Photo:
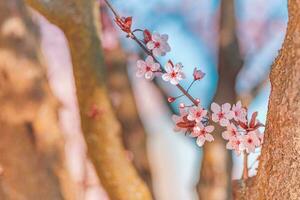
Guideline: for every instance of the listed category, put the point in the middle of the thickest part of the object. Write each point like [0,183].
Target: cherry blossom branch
[245,167]
[133,37]
[242,133]
[112,9]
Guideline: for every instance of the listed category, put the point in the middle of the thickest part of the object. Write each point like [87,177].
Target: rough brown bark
[279,168]
[215,174]
[101,129]
[31,144]
[134,135]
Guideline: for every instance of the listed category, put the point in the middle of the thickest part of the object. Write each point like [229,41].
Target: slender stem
[245,169]
[112,9]
[132,36]
[187,94]
[190,85]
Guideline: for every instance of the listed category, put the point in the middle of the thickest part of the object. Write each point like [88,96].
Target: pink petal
[174,81]
[149,75]
[166,77]
[156,37]
[209,129]
[191,117]
[215,117]
[139,73]
[229,146]
[226,107]
[239,105]
[215,107]
[164,37]
[224,122]
[149,60]
[140,64]
[168,67]
[150,45]
[209,137]
[155,67]
[200,141]
[156,52]
[225,135]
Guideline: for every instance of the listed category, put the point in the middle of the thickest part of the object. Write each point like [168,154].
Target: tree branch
[278,172]
[99,124]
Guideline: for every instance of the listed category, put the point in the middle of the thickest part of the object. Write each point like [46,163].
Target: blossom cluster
[157,45]
[242,134]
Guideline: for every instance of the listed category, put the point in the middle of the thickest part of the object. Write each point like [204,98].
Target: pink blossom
[158,44]
[254,124]
[197,113]
[182,123]
[231,132]
[251,141]
[198,74]
[260,137]
[147,36]
[171,99]
[221,114]
[202,133]
[173,73]
[147,68]
[235,144]
[239,113]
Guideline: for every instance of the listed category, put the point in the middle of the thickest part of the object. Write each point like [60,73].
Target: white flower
[180,119]
[158,44]
[197,113]
[173,73]
[251,141]
[231,132]
[202,133]
[235,144]
[147,68]
[221,114]
[239,113]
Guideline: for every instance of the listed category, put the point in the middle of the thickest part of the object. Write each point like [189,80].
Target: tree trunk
[215,174]
[31,145]
[134,135]
[101,129]
[279,168]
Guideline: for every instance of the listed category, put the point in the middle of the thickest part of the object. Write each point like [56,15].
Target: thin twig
[133,37]
[112,9]
[245,167]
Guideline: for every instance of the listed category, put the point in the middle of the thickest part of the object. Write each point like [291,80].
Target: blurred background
[242,36]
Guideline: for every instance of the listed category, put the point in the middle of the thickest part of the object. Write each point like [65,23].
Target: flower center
[148,68]
[156,44]
[198,114]
[202,132]
[236,113]
[173,74]
[233,132]
[221,115]
[249,140]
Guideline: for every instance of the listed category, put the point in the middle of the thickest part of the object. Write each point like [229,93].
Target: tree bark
[279,168]
[78,19]
[31,144]
[215,174]
[134,135]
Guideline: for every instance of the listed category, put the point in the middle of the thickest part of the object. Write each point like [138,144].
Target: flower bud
[147,36]
[171,99]
[198,74]
[181,105]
